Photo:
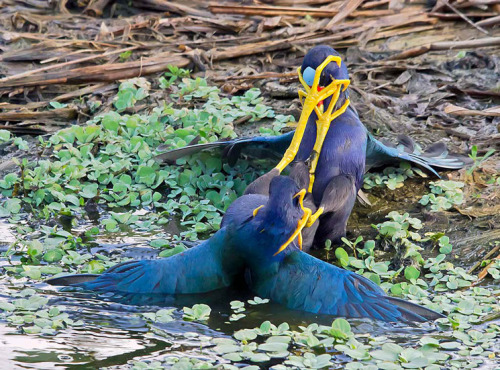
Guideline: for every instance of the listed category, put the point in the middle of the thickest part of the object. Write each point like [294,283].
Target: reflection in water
[6,235]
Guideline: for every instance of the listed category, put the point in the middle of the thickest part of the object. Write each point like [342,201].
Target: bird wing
[259,147]
[338,193]
[172,155]
[200,269]
[436,156]
[303,282]
[261,184]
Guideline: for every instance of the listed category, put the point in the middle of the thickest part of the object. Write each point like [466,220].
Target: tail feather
[438,150]
[438,162]
[126,277]
[407,142]
[363,298]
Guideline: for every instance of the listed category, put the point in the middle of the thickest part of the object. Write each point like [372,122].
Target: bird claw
[313,96]
[311,100]
[312,219]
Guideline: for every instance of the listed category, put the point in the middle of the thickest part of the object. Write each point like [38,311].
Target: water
[114,335]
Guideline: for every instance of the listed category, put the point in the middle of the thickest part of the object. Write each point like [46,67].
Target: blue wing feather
[207,267]
[303,282]
[378,154]
[259,146]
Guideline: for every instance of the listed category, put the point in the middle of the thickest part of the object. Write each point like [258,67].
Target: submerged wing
[303,282]
[201,269]
[435,157]
[259,147]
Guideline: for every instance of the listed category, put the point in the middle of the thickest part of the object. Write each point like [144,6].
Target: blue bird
[258,239]
[332,140]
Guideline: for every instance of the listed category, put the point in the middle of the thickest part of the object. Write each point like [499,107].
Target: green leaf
[200,312]
[450,345]
[245,334]
[4,136]
[32,329]
[159,243]
[411,273]
[274,347]
[146,175]
[110,224]
[89,191]
[392,348]
[384,355]
[32,272]
[6,306]
[172,251]
[341,329]
[342,256]
[53,255]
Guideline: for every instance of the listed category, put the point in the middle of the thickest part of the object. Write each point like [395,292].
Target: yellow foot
[314,217]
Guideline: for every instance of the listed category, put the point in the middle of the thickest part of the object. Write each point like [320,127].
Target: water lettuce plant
[444,195]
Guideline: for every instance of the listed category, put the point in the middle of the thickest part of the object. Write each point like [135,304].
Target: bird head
[333,70]
[276,225]
[323,75]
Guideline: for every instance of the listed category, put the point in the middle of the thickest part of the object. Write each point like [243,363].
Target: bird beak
[313,96]
[301,194]
[300,225]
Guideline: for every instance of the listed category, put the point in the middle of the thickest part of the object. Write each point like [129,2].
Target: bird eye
[308,75]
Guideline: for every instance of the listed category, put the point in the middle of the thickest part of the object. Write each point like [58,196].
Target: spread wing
[303,282]
[200,269]
[434,157]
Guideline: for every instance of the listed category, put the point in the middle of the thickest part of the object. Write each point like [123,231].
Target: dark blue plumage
[348,149]
[302,282]
[206,267]
[211,265]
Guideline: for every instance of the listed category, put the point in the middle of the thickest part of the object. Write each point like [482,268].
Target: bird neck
[258,240]
[222,244]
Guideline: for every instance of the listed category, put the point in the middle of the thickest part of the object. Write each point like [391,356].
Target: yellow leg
[312,98]
[300,225]
[302,96]
[314,216]
[292,150]
[322,128]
